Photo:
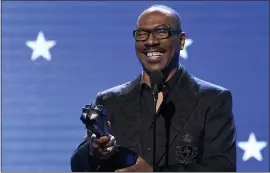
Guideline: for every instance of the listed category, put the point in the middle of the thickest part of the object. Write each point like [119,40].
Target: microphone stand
[155,96]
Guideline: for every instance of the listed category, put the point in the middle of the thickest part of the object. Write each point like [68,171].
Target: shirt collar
[170,84]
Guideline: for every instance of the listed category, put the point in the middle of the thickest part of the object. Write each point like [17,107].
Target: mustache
[151,49]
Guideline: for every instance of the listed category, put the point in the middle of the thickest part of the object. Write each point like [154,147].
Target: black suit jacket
[201,133]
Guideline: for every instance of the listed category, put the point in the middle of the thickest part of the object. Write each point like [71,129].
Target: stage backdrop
[58,55]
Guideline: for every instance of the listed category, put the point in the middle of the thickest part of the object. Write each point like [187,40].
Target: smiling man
[195,128]
[159,50]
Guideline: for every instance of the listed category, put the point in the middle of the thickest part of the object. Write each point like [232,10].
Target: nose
[151,41]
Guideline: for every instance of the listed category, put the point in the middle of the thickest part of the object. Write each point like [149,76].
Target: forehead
[151,19]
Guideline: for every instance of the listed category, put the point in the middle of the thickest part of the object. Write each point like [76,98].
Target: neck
[146,77]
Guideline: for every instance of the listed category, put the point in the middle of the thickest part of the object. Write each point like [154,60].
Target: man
[195,127]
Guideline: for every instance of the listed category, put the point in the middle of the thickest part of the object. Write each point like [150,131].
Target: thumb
[122,170]
[132,168]
[109,125]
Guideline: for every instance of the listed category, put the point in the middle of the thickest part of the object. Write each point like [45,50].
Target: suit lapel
[128,109]
[129,99]
[181,103]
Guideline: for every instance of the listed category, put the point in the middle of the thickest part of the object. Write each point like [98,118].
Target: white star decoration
[252,148]
[184,53]
[41,47]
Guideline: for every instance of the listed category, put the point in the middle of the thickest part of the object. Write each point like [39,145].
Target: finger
[105,154]
[111,142]
[122,170]
[93,141]
[144,165]
[139,160]
[110,146]
[109,124]
[132,168]
[103,140]
[95,145]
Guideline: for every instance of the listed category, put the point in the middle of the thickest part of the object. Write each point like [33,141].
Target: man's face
[154,53]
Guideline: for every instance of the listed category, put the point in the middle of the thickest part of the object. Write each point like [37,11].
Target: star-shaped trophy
[95,120]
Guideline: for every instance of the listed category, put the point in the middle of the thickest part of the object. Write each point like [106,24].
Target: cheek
[138,49]
[174,49]
[169,50]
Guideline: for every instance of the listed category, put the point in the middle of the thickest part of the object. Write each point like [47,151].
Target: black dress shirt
[147,112]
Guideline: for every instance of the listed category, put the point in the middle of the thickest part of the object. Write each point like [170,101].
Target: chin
[152,67]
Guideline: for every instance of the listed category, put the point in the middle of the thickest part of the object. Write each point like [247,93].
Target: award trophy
[95,120]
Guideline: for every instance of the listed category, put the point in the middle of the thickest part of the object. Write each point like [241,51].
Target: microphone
[156,81]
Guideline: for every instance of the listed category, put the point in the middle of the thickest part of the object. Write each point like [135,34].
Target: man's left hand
[140,166]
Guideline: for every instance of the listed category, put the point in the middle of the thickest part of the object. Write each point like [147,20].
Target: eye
[161,31]
[141,33]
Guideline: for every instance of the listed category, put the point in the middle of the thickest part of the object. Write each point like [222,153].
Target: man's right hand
[104,147]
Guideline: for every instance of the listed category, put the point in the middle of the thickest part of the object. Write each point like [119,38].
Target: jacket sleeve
[81,160]
[219,139]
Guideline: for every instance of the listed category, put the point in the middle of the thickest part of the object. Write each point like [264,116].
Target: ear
[182,40]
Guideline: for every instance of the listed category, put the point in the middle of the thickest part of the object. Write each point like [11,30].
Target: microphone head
[156,80]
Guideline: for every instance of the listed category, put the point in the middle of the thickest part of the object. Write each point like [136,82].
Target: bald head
[166,11]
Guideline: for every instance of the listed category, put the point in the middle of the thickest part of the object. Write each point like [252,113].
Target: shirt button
[149,149]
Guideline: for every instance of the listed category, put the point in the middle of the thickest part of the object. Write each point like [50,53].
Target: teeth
[151,54]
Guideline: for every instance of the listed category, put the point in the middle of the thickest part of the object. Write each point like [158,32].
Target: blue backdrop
[57,55]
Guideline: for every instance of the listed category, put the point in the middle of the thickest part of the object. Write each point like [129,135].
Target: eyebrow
[159,26]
